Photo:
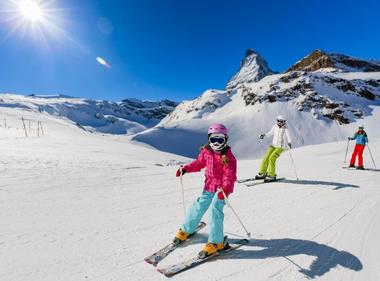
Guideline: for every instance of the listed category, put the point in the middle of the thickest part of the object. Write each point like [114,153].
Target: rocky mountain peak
[315,60]
[319,59]
[252,69]
[250,52]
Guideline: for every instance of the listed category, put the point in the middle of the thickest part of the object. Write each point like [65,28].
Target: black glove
[349,138]
[290,145]
[262,136]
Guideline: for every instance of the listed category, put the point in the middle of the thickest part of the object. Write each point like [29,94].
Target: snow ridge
[126,117]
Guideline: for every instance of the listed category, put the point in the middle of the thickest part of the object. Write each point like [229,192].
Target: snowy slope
[126,117]
[80,206]
[323,105]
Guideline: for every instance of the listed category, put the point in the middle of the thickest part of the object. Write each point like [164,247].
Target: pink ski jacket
[220,169]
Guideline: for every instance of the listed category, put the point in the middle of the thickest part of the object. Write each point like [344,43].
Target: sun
[31,10]
[42,21]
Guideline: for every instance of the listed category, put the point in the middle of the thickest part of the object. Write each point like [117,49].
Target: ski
[158,256]
[245,180]
[262,182]
[349,168]
[197,260]
[365,169]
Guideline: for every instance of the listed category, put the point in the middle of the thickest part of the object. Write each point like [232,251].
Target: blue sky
[170,48]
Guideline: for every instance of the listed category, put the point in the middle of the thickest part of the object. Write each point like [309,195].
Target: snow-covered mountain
[126,117]
[324,97]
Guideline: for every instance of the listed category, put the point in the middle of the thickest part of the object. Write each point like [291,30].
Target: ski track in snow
[80,206]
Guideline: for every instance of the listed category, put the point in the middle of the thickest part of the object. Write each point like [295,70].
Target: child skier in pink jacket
[220,174]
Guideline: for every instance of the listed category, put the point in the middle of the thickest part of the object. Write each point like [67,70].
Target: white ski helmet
[281,121]
[361,126]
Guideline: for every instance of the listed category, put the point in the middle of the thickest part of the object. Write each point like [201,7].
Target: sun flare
[31,10]
[39,20]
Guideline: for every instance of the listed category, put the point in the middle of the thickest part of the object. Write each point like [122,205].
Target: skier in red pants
[361,140]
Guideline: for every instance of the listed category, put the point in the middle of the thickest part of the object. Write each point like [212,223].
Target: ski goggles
[281,122]
[219,140]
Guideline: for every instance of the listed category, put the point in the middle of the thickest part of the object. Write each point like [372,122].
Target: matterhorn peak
[250,52]
[252,69]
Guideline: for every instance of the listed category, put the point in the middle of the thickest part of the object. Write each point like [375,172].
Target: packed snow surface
[81,206]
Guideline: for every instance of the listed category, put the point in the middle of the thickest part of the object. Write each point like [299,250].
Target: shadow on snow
[326,256]
[337,185]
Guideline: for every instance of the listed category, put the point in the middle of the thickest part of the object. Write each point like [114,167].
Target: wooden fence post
[23,123]
[42,129]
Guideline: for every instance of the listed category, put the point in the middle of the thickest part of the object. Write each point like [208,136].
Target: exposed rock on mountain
[319,59]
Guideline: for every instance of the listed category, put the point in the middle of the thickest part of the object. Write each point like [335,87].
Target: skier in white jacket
[281,140]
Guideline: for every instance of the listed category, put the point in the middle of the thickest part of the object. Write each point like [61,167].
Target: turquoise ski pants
[198,209]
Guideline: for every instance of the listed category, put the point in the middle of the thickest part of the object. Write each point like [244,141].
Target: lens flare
[103,62]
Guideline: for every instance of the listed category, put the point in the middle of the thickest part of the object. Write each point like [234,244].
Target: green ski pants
[270,159]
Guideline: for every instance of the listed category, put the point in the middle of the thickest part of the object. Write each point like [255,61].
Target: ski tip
[164,273]
[160,271]
[150,262]
[244,241]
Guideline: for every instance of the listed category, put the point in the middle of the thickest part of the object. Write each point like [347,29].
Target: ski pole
[373,161]
[345,157]
[236,215]
[183,191]
[294,166]
[261,144]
